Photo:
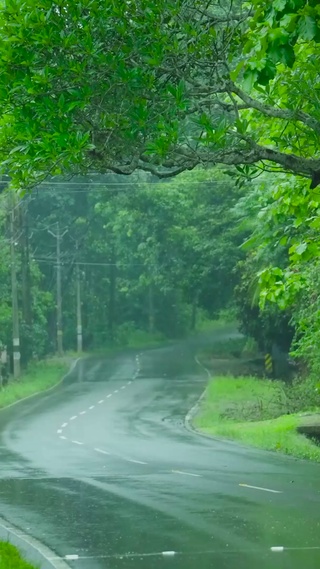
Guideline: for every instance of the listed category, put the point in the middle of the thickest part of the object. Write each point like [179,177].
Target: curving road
[104,472]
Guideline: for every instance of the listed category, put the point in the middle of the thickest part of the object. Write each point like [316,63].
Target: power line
[51,261]
[158,184]
[105,186]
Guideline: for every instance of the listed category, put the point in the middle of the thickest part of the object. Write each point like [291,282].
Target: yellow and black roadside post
[268,364]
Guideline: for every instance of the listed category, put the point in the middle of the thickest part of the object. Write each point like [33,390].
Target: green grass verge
[249,410]
[10,558]
[39,377]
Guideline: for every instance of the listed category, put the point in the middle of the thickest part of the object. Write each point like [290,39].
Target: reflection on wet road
[104,472]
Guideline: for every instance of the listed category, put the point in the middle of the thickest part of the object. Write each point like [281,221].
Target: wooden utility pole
[151,315]
[26,298]
[14,295]
[58,237]
[79,314]
[59,295]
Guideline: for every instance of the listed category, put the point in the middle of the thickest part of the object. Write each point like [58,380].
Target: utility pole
[79,314]
[58,237]
[14,293]
[59,296]
[26,300]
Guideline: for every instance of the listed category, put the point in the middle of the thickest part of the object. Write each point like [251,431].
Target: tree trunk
[151,312]
[112,295]
[194,311]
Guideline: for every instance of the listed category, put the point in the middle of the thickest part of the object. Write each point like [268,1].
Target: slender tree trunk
[151,311]
[112,295]
[194,310]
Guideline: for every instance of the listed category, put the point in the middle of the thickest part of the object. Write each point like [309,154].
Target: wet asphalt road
[104,469]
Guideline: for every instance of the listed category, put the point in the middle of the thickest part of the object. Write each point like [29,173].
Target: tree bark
[194,311]
[151,311]
[112,295]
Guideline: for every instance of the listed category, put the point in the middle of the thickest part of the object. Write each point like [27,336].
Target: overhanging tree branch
[270,111]
[186,160]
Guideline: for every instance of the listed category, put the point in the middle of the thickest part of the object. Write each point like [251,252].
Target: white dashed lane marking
[135,461]
[186,473]
[60,430]
[101,451]
[259,488]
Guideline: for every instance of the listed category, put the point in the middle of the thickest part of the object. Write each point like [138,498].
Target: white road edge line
[203,367]
[33,543]
[73,418]
[259,488]
[77,442]
[277,548]
[102,451]
[186,473]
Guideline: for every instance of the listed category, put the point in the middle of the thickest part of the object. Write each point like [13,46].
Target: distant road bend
[105,474]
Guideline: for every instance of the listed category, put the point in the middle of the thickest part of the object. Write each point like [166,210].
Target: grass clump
[39,377]
[252,410]
[10,558]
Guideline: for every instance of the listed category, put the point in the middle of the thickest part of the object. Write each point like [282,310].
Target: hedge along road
[105,474]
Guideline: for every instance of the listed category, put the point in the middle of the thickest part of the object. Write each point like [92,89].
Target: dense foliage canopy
[164,86]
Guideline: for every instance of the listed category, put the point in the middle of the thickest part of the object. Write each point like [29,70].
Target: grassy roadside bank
[10,558]
[250,410]
[39,377]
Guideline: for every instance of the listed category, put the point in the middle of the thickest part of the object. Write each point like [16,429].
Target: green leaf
[301,248]
[234,74]
[242,125]
[267,74]
[279,5]
[307,27]
[287,55]
[249,78]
